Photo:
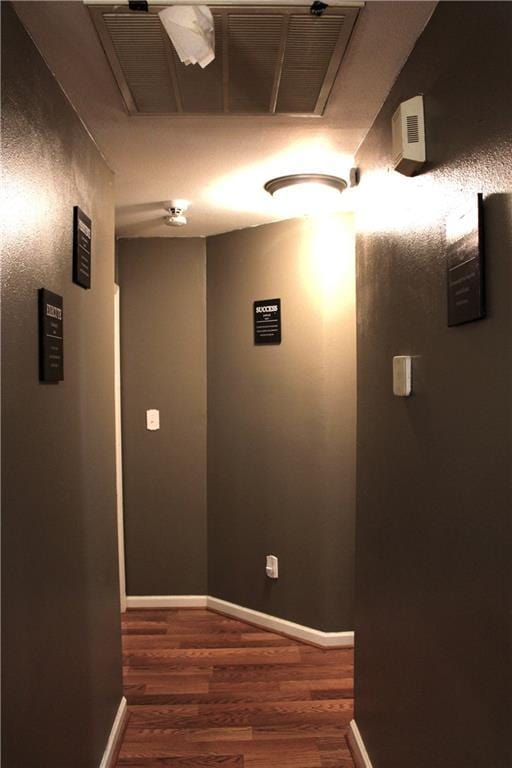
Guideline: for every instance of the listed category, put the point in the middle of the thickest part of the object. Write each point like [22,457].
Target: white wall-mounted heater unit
[409,153]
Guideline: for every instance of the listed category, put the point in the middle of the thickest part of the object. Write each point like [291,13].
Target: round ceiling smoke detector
[176,213]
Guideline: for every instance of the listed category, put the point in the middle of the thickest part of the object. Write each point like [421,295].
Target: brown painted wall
[433,536]
[163,359]
[61,633]
[281,421]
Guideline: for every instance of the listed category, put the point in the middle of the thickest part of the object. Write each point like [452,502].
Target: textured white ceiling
[219,163]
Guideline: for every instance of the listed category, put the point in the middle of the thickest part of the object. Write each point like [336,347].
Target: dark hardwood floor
[207,691]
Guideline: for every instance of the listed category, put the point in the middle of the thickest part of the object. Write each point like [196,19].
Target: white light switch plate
[402,375]
[152,419]
[272,567]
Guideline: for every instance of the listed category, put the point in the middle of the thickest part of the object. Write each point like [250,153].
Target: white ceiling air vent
[268,60]
[408,128]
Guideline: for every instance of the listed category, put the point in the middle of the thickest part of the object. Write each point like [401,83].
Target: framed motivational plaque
[267,321]
[82,241]
[465,264]
[51,336]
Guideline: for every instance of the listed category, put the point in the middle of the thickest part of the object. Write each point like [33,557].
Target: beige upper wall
[281,420]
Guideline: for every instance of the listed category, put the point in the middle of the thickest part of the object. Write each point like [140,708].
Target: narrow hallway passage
[256,366]
[207,690]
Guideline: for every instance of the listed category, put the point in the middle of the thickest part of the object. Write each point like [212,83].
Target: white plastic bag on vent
[191,30]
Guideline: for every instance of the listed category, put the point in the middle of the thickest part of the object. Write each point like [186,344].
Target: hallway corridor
[256,367]
[207,690]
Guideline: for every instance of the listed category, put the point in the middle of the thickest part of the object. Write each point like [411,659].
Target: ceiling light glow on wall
[307,193]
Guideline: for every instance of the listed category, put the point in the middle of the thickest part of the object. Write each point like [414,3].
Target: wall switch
[272,567]
[402,375]
[152,419]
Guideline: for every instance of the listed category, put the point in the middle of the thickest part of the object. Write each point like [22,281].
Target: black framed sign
[465,264]
[51,336]
[81,248]
[267,321]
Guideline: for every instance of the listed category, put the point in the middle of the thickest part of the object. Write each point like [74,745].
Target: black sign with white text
[267,321]
[81,248]
[465,264]
[51,336]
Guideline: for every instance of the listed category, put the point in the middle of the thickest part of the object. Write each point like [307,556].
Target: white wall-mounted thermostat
[408,128]
[152,419]
[272,567]
[402,375]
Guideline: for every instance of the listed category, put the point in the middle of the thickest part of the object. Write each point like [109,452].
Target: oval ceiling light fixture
[304,193]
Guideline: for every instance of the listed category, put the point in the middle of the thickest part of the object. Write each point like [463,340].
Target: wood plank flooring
[207,691]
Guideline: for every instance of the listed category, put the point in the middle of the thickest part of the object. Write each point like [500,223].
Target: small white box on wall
[272,567]
[152,419]
[408,136]
[402,375]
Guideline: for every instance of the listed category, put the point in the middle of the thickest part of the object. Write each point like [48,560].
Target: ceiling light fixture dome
[307,192]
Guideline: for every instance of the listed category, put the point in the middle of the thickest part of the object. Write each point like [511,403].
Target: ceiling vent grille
[269,60]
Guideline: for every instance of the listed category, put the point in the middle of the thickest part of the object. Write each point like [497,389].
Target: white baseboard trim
[109,756]
[357,747]
[284,627]
[166,601]
[264,620]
